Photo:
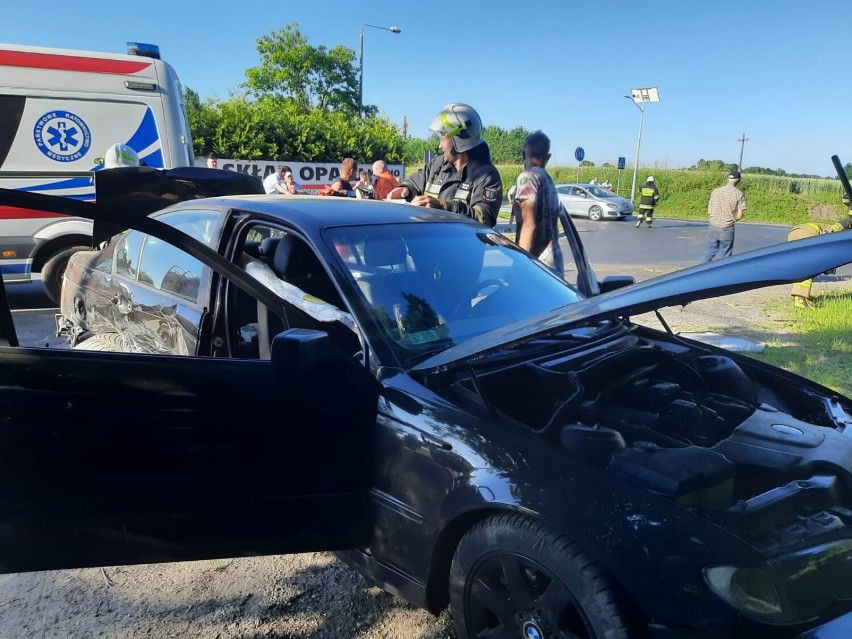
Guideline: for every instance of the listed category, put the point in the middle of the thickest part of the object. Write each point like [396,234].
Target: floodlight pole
[361,62]
[640,96]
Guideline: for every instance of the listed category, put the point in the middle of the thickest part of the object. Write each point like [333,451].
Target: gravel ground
[308,595]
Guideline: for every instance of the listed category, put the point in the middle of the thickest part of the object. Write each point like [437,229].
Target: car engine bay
[735,440]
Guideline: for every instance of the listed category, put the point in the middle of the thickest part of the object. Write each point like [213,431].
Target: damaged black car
[409,388]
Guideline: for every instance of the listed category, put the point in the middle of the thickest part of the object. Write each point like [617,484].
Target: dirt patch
[305,595]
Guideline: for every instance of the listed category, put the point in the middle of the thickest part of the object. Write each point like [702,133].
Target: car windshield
[432,286]
[599,191]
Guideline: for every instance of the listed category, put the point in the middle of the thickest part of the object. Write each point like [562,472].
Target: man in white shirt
[274,182]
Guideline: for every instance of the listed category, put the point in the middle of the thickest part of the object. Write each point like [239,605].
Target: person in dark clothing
[342,186]
[650,196]
[462,179]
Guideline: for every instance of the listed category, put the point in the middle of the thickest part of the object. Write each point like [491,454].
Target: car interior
[279,254]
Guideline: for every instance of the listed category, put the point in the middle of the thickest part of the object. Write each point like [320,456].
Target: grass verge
[819,343]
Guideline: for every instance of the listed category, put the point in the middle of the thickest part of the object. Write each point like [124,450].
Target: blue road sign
[579,153]
[621,162]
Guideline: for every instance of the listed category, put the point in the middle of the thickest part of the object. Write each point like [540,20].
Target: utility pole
[742,142]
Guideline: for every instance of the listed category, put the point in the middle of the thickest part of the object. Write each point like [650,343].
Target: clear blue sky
[777,71]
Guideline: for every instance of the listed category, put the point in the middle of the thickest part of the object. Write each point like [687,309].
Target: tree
[276,127]
[202,119]
[710,165]
[847,168]
[314,77]
[587,163]
[506,146]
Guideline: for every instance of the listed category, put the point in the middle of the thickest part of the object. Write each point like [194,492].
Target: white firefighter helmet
[461,123]
[120,155]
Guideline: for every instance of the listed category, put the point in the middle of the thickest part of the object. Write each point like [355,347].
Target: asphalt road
[33,314]
[671,242]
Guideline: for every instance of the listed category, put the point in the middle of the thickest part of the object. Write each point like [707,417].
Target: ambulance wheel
[54,269]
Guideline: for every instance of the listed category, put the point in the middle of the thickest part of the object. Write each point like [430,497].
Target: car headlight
[788,589]
[614,207]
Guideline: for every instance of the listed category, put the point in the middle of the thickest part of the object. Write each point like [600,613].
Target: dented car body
[463,426]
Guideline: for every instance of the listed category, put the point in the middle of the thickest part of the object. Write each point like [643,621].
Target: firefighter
[462,179]
[650,196]
[802,290]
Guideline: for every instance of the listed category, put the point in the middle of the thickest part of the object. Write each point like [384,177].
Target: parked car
[407,387]
[593,201]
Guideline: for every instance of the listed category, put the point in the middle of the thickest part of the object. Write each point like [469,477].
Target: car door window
[171,270]
[286,264]
[127,254]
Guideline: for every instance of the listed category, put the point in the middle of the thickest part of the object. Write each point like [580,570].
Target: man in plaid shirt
[726,208]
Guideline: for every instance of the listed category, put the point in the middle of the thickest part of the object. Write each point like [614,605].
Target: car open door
[112,458]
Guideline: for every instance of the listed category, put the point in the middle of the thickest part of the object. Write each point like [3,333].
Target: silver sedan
[592,201]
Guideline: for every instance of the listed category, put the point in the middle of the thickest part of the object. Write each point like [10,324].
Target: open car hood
[783,263]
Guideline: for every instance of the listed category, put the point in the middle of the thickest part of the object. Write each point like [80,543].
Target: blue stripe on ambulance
[14,269]
[145,136]
[83,184]
[72,183]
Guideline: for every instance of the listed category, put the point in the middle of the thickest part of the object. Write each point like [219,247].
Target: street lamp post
[641,96]
[361,62]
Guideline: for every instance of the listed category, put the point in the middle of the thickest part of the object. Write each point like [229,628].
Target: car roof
[313,213]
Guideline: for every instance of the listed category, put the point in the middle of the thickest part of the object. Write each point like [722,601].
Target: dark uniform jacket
[650,195]
[476,191]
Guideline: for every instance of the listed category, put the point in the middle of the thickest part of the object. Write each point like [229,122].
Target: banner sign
[310,175]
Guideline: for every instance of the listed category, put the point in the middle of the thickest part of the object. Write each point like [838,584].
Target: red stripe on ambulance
[15,213]
[70,62]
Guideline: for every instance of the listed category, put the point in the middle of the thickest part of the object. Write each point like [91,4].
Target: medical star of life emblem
[62,136]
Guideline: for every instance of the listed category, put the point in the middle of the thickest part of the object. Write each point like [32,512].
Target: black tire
[513,577]
[595,214]
[54,268]
[112,342]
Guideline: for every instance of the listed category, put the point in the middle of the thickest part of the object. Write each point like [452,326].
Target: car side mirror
[615,282]
[300,352]
[311,357]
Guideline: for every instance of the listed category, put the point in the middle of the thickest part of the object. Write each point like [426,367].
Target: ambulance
[60,111]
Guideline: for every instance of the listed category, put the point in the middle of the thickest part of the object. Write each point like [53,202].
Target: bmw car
[410,389]
[593,202]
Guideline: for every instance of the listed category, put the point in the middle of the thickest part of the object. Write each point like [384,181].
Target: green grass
[771,199]
[684,194]
[819,345]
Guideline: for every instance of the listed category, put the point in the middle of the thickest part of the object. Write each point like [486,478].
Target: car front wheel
[513,577]
[595,213]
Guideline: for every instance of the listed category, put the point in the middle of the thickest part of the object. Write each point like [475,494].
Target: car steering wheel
[472,293]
